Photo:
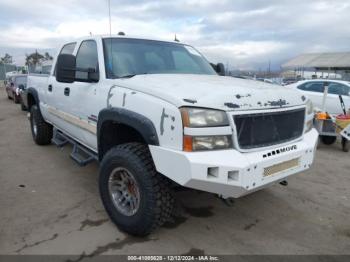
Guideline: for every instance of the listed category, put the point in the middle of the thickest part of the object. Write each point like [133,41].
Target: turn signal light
[188,144]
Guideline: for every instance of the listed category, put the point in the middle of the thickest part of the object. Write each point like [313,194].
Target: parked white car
[314,89]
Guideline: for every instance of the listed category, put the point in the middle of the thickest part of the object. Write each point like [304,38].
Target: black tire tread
[44,134]
[328,140]
[163,201]
[23,107]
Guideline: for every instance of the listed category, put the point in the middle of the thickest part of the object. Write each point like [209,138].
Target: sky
[243,34]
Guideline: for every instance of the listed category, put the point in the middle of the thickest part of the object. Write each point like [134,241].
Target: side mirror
[219,68]
[65,68]
[21,87]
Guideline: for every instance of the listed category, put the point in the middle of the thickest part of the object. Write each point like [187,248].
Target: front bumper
[231,173]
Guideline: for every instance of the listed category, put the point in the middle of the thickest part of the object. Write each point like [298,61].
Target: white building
[320,65]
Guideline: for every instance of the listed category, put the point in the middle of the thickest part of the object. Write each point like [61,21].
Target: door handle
[66,91]
[49,88]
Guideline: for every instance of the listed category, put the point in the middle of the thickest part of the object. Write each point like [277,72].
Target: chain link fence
[4,68]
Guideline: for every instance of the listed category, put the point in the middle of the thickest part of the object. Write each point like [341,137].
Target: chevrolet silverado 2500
[156,114]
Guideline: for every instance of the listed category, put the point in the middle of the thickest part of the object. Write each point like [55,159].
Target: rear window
[68,49]
[338,89]
[21,80]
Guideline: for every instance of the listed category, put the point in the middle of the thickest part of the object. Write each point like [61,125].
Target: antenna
[110,20]
[110,66]
[176,40]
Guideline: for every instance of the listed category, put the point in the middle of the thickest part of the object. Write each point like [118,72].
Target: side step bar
[80,154]
[59,139]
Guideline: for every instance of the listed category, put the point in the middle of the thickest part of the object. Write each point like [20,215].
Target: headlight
[309,107]
[309,111]
[201,143]
[201,117]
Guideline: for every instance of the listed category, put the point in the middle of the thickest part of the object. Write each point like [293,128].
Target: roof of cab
[128,37]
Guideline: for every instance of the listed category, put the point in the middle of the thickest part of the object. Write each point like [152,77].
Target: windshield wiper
[127,76]
[131,75]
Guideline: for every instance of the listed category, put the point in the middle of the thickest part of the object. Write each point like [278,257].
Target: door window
[312,87]
[87,58]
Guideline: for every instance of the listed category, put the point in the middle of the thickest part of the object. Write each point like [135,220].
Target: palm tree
[34,58]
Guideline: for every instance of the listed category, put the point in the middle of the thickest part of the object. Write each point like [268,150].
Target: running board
[59,139]
[80,154]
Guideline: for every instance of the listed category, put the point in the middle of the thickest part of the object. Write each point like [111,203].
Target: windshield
[129,57]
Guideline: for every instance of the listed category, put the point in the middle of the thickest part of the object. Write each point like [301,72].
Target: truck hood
[212,91]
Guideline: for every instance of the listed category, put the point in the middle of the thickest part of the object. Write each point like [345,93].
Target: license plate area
[281,167]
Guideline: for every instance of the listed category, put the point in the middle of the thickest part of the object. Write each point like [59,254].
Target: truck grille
[266,129]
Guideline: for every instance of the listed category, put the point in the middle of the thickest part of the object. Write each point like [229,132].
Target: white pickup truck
[156,114]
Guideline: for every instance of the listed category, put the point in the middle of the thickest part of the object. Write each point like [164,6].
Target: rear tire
[41,131]
[328,140]
[23,107]
[155,199]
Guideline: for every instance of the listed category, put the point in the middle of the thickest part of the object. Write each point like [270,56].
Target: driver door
[71,99]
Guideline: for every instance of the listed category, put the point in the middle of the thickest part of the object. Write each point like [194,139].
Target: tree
[48,57]
[34,58]
[6,59]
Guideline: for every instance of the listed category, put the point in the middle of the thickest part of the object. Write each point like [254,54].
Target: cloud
[243,55]
[245,34]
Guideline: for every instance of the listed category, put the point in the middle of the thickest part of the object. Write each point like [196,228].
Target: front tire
[136,197]
[328,140]
[41,131]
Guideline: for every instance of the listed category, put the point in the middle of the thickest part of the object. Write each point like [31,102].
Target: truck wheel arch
[32,98]
[130,126]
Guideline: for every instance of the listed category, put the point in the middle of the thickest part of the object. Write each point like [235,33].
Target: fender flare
[32,91]
[123,116]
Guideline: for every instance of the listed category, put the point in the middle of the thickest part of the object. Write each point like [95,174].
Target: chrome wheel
[124,191]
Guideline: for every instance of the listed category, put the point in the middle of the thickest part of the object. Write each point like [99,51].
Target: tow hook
[284,183]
